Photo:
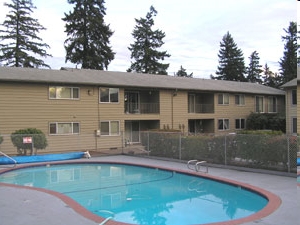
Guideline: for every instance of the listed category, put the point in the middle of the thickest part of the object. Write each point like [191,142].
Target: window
[63,92]
[110,128]
[223,124]
[294,125]
[240,99]
[64,128]
[109,95]
[294,97]
[240,124]
[272,104]
[259,104]
[223,99]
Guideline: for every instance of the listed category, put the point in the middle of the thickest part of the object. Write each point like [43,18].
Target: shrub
[38,138]
[1,139]
[263,121]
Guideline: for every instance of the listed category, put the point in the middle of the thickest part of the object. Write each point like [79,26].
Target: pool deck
[22,206]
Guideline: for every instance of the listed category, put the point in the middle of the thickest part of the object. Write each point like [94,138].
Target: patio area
[20,206]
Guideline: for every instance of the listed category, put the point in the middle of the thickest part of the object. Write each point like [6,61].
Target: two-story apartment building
[292,97]
[102,109]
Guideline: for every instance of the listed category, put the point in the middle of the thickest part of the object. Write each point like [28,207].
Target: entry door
[132,131]
[133,99]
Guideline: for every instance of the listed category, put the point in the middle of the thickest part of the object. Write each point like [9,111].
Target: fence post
[179,146]
[148,142]
[288,153]
[225,157]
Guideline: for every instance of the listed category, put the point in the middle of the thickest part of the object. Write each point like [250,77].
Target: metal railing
[142,108]
[12,159]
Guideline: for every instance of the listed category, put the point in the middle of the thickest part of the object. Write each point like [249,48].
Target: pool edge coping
[273,204]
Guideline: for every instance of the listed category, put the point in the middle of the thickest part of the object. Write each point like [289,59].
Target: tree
[288,63]
[38,138]
[269,78]
[182,73]
[231,61]
[254,70]
[20,43]
[88,36]
[144,50]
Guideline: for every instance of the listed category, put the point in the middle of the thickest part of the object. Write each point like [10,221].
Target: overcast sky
[193,28]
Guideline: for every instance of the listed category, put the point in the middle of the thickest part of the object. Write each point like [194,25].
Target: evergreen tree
[182,73]
[269,78]
[288,63]
[298,48]
[88,36]
[19,43]
[231,61]
[254,70]
[144,49]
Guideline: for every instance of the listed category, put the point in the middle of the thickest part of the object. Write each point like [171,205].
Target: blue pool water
[142,195]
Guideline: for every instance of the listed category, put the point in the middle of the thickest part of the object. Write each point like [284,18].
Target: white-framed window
[223,124]
[240,124]
[259,104]
[294,97]
[272,104]
[223,99]
[60,92]
[110,128]
[63,128]
[240,99]
[108,95]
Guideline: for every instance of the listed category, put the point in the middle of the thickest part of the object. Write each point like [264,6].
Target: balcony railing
[142,108]
[202,108]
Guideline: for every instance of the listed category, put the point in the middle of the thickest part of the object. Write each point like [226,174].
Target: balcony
[141,102]
[141,108]
[200,103]
[201,108]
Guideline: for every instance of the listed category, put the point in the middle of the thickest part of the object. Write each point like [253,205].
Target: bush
[38,138]
[1,139]
[265,121]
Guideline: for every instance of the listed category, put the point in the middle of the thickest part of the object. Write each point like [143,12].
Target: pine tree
[269,78]
[19,41]
[88,36]
[288,63]
[145,51]
[182,73]
[231,61]
[254,70]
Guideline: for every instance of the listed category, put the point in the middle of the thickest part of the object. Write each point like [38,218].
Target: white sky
[193,28]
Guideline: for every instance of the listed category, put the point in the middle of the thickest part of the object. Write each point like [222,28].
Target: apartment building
[292,96]
[103,109]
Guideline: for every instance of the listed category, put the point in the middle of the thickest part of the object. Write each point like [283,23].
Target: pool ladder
[108,218]
[15,162]
[197,165]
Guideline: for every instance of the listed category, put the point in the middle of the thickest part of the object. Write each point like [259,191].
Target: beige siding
[24,105]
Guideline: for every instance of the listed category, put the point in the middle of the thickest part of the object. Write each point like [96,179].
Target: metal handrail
[197,165]
[2,153]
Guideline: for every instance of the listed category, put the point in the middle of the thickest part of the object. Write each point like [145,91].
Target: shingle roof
[291,83]
[122,79]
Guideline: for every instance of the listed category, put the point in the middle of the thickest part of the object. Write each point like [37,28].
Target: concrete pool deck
[21,206]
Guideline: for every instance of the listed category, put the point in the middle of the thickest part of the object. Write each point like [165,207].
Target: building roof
[291,83]
[122,79]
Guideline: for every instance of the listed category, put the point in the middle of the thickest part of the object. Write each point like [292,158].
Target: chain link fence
[273,152]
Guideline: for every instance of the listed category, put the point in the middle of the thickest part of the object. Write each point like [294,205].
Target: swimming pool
[142,195]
